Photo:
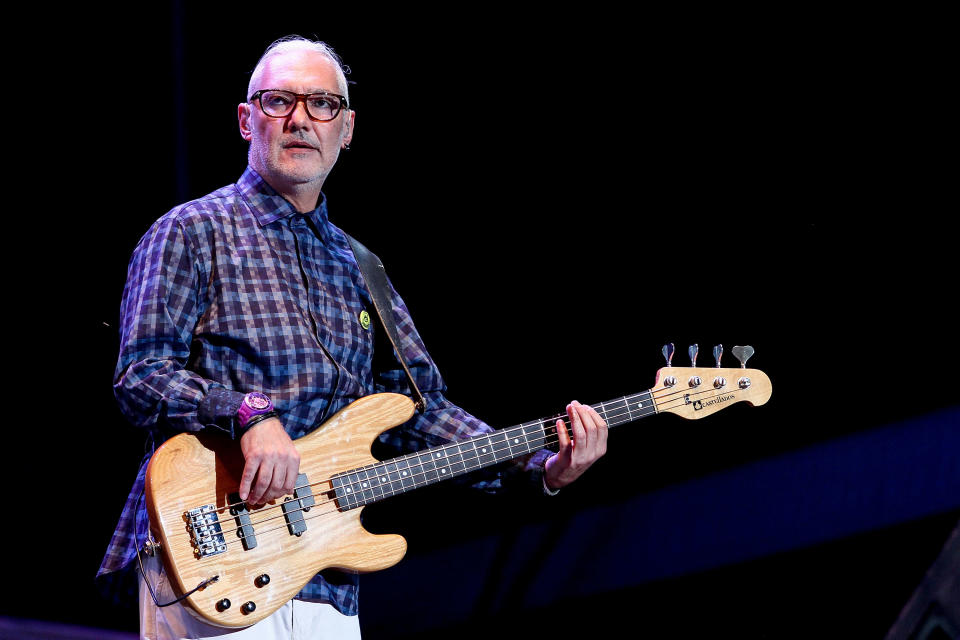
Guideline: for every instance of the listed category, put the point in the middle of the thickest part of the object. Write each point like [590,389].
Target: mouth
[299,145]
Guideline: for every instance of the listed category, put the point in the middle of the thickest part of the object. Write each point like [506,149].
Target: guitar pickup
[295,507]
[241,514]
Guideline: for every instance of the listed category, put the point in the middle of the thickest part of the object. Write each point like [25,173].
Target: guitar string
[621,406]
[548,440]
[358,488]
[551,437]
[306,518]
[414,458]
[415,477]
[549,431]
[450,445]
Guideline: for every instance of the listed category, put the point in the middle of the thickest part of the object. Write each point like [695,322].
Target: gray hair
[299,43]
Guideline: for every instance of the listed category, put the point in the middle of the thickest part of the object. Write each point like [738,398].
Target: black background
[556,196]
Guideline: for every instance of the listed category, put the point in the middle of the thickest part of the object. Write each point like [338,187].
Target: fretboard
[374,482]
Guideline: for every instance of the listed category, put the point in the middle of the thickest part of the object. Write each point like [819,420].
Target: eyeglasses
[320,106]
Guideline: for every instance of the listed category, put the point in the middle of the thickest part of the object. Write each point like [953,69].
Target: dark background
[556,196]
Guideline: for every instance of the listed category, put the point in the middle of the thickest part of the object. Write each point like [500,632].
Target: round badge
[365,319]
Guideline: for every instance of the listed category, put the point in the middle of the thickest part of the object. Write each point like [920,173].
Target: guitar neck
[375,482]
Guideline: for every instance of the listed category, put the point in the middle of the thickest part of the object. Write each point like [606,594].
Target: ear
[243,116]
[348,124]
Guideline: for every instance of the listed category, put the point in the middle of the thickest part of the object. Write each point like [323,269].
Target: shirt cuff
[547,491]
[218,409]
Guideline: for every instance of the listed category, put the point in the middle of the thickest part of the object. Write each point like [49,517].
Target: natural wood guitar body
[192,481]
[179,479]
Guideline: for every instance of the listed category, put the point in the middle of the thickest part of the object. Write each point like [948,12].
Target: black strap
[375,276]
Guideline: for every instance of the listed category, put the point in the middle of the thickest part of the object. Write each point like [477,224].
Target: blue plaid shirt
[238,292]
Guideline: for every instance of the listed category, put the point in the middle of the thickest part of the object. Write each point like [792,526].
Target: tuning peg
[718,353]
[668,352]
[742,354]
[692,351]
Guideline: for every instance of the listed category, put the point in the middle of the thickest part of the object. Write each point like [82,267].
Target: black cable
[140,549]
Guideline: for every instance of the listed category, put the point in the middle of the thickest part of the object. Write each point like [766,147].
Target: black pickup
[241,514]
[300,503]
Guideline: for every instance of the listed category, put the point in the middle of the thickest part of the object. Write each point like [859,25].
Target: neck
[374,482]
[303,197]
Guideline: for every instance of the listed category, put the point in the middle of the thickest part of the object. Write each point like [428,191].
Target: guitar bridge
[205,532]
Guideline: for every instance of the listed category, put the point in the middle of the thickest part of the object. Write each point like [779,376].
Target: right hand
[271,463]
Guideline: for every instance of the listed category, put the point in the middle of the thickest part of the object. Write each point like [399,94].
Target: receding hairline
[293,44]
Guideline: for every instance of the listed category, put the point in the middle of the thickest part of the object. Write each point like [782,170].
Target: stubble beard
[289,173]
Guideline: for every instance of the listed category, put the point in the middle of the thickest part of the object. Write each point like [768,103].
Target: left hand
[589,443]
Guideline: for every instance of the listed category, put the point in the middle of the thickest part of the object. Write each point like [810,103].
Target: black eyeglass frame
[298,97]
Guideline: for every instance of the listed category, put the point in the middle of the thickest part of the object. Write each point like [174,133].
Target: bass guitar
[235,564]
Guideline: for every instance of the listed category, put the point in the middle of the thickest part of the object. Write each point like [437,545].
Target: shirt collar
[269,206]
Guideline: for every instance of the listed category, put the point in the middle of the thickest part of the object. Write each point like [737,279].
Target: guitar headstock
[695,392]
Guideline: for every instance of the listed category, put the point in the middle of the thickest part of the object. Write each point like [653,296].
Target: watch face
[256,401]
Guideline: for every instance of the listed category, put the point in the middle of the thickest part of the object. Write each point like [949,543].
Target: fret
[469,454]
[535,435]
[603,412]
[365,491]
[352,483]
[381,480]
[617,412]
[485,455]
[393,477]
[415,468]
[641,405]
[455,461]
[441,463]
[429,473]
[516,442]
[501,446]
[406,471]
[345,497]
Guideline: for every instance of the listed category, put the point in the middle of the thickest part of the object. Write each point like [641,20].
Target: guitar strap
[375,277]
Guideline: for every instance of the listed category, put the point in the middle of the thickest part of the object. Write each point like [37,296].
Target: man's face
[295,151]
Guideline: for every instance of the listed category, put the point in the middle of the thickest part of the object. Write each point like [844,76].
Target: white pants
[295,620]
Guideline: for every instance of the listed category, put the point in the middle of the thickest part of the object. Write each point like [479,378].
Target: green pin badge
[365,319]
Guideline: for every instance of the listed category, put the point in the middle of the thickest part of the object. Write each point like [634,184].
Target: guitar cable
[149,550]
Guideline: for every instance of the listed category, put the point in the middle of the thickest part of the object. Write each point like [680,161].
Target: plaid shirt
[238,292]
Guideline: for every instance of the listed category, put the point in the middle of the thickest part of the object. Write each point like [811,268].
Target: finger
[580,440]
[602,430]
[563,436]
[292,468]
[262,485]
[250,468]
[591,424]
[284,474]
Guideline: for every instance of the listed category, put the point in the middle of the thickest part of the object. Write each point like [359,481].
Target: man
[250,297]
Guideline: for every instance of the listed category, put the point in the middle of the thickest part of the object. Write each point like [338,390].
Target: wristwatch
[255,407]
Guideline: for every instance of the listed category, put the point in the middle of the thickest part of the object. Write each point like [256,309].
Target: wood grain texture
[190,470]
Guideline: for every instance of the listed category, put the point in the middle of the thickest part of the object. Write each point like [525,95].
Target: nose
[298,118]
